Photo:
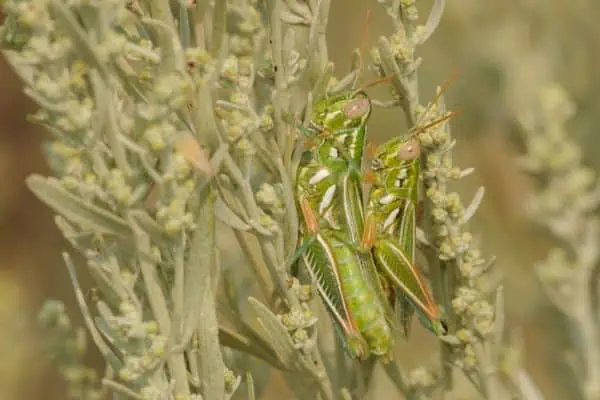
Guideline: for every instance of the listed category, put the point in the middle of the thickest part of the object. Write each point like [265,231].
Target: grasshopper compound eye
[356,108]
[410,151]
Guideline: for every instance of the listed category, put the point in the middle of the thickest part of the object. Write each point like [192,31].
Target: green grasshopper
[390,225]
[390,229]
[330,200]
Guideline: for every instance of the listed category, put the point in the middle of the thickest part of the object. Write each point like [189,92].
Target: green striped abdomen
[362,303]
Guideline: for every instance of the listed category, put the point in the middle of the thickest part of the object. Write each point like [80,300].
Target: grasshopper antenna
[441,91]
[361,49]
[374,82]
[365,35]
[436,122]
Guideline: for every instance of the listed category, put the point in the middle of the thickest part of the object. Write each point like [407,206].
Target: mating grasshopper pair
[361,256]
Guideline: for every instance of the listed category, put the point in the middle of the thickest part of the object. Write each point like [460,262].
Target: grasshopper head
[398,152]
[396,163]
[343,111]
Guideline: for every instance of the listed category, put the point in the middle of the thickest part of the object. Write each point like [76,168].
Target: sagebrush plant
[174,124]
[564,203]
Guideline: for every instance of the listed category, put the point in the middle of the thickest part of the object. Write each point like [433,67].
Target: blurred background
[504,52]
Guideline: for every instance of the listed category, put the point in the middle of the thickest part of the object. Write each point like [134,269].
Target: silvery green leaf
[527,387]
[499,322]
[201,272]
[112,130]
[231,311]
[104,284]
[397,376]
[390,66]
[68,231]
[68,22]
[433,20]
[344,83]
[217,157]
[150,226]
[300,8]
[47,104]
[104,349]
[422,238]
[473,206]
[184,26]
[236,340]
[200,268]
[151,282]
[233,389]
[364,377]
[290,54]
[392,7]
[120,390]
[466,172]
[75,209]
[114,362]
[108,331]
[345,394]
[26,73]
[218,29]
[258,382]
[172,54]
[275,333]
[293,19]
[204,119]
[450,339]
[250,384]
[226,215]
[320,87]
[233,339]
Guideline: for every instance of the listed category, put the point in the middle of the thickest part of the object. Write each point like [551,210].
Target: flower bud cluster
[68,348]
[299,321]
[141,343]
[455,246]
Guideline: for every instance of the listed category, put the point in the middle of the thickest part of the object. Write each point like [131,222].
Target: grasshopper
[330,200]
[390,229]
[390,226]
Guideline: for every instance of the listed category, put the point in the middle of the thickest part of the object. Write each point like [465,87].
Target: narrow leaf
[201,271]
[75,209]
[275,333]
[69,24]
[150,226]
[320,87]
[472,208]
[226,215]
[250,384]
[435,15]
[397,376]
[293,19]
[104,349]
[199,268]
